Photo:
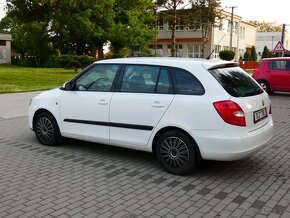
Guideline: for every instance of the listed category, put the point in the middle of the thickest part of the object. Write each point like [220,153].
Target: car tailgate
[256,109]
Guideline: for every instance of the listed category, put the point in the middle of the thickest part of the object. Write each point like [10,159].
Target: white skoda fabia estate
[182,110]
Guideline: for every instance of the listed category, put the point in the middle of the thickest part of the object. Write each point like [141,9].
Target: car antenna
[208,57]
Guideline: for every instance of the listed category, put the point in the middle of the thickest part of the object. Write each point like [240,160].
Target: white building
[5,48]
[270,39]
[189,40]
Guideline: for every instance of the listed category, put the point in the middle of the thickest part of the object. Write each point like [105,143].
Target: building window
[217,49]
[229,26]
[178,50]
[160,24]
[235,27]
[2,42]
[242,32]
[179,25]
[226,48]
[194,50]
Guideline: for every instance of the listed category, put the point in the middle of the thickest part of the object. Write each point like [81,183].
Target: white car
[180,109]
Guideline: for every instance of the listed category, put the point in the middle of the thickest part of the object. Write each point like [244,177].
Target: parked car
[273,74]
[179,109]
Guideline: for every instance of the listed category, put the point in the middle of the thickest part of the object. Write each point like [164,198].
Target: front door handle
[157,104]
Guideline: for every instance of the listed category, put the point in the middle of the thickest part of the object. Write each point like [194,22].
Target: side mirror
[67,86]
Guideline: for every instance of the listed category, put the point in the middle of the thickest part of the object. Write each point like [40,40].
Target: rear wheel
[265,86]
[176,152]
[46,129]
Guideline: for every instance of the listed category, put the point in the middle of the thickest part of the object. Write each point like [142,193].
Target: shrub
[247,56]
[227,55]
[266,53]
[75,62]
[253,54]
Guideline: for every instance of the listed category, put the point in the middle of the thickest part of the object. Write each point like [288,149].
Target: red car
[273,74]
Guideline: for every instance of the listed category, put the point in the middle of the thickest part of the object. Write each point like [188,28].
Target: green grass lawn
[25,79]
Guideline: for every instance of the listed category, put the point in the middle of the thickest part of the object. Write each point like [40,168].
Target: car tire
[176,152]
[265,86]
[46,129]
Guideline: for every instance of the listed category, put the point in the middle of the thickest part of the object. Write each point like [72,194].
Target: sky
[276,11]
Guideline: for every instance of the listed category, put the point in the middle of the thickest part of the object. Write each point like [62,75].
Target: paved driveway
[80,179]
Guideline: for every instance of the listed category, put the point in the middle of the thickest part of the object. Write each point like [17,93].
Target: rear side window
[236,82]
[185,83]
[279,65]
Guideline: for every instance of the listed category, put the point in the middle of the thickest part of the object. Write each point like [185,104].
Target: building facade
[5,48]
[270,39]
[189,39]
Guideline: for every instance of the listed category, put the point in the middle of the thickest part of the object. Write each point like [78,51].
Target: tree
[132,25]
[84,26]
[263,26]
[247,56]
[204,14]
[266,52]
[28,38]
[172,6]
[253,54]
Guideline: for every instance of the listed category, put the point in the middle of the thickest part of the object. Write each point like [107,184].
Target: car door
[145,93]
[279,72]
[85,109]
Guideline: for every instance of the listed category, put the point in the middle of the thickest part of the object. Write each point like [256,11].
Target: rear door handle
[103,102]
[157,104]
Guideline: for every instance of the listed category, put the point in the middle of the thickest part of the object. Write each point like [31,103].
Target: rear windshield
[236,82]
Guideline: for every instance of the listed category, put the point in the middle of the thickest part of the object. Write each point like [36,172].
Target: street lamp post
[232,24]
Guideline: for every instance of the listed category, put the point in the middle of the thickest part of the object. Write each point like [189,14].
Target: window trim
[122,73]
[84,71]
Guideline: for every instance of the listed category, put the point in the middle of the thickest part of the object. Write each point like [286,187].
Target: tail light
[230,112]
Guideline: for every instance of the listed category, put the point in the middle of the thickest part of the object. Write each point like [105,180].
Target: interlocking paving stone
[204,191]
[159,180]
[188,187]
[239,199]
[173,184]
[145,177]
[82,179]
[221,195]
[278,209]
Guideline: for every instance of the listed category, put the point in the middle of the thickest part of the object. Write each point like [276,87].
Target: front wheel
[46,129]
[176,152]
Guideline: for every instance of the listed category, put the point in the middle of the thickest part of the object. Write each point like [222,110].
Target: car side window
[186,83]
[98,78]
[279,65]
[140,79]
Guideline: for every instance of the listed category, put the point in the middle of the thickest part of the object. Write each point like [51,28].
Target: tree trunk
[204,34]
[173,35]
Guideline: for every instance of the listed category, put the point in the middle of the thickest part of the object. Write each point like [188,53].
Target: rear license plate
[260,114]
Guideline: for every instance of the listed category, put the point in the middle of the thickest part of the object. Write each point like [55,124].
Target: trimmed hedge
[63,61]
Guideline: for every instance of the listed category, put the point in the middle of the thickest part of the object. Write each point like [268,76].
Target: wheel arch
[265,81]
[169,128]
[39,111]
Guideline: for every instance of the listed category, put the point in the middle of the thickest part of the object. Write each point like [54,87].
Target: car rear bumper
[223,146]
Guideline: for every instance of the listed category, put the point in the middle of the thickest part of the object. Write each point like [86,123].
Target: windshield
[236,82]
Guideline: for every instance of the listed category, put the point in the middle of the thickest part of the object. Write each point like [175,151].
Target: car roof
[167,61]
[276,58]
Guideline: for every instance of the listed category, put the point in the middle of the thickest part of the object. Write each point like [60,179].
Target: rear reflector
[230,112]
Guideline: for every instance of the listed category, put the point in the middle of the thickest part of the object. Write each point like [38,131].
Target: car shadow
[141,158]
